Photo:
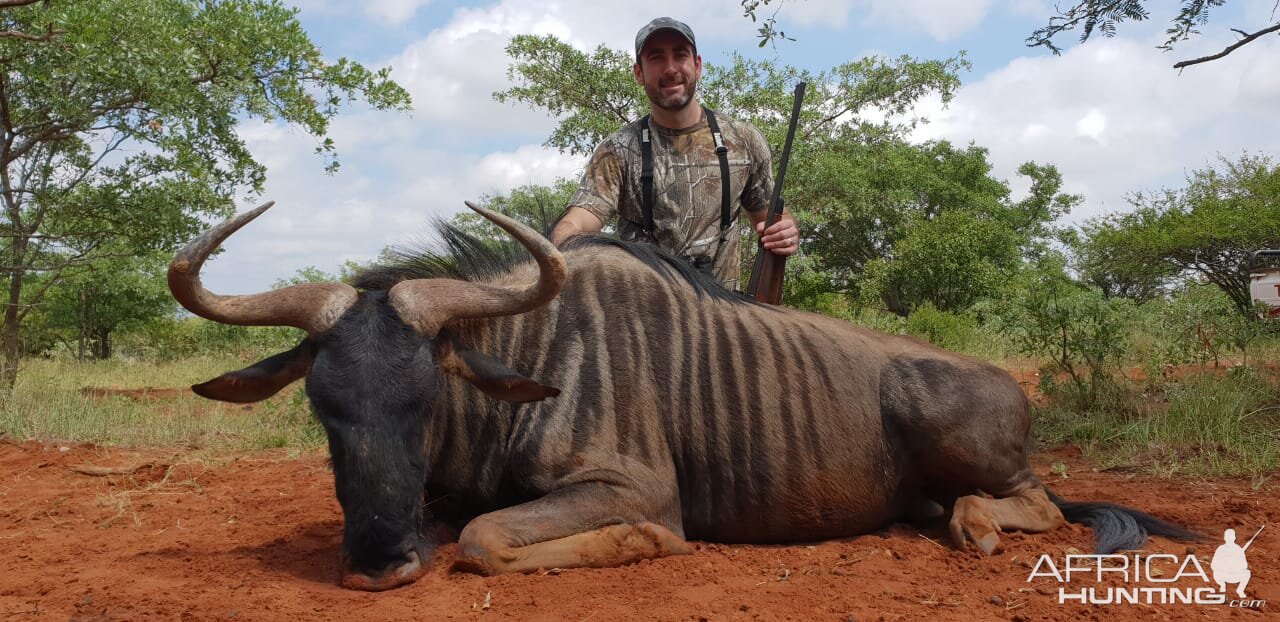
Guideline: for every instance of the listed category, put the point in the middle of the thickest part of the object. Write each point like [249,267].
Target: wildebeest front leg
[981,519]
[585,525]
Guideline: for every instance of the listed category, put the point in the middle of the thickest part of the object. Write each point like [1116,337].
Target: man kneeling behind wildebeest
[660,428]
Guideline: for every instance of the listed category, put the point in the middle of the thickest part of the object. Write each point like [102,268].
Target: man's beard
[673,103]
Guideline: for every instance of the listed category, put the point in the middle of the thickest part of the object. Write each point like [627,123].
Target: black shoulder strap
[646,176]
[722,154]
[646,173]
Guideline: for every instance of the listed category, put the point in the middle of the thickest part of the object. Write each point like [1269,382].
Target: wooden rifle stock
[766,276]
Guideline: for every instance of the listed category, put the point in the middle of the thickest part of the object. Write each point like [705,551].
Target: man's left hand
[782,238]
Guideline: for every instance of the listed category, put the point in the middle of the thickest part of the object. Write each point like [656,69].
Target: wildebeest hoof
[988,543]
[972,520]
[667,542]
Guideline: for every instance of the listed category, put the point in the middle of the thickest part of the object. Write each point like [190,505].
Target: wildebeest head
[372,362]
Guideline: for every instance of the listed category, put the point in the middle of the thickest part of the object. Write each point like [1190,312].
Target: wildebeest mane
[664,263]
[459,255]
[462,255]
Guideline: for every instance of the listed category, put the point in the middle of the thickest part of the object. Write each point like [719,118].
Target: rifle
[1255,537]
[766,276]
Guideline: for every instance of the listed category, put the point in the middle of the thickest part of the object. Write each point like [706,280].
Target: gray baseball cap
[663,23]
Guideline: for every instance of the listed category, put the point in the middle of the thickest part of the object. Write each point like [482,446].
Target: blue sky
[1111,114]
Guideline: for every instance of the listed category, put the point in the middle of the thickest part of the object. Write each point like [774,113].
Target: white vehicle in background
[1264,280]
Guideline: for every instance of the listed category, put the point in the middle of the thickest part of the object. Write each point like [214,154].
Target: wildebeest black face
[373,364]
[372,382]
[371,386]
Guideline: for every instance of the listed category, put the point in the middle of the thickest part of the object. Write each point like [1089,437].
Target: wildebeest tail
[1116,527]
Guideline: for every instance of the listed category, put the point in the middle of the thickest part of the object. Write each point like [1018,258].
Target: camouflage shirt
[686,188]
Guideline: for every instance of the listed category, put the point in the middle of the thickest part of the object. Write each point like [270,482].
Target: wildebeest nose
[408,572]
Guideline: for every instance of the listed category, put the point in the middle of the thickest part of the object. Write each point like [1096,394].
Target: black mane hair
[664,263]
[465,257]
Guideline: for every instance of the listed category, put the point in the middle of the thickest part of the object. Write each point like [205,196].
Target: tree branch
[49,36]
[1229,49]
[1068,20]
[38,296]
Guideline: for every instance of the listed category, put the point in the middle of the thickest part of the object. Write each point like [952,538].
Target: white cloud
[1037,9]
[394,11]
[393,181]
[381,11]
[831,13]
[1092,125]
[1115,117]
[942,19]
[453,73]
[528,164]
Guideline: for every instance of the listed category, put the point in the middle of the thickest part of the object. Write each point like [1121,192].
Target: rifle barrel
[775,210]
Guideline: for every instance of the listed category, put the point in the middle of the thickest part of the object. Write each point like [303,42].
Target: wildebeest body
[740,422]
[604,405]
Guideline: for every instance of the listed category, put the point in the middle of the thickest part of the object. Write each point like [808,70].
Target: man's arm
[575,220]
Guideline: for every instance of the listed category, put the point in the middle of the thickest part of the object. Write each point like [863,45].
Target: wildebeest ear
[488,374]
[261,380]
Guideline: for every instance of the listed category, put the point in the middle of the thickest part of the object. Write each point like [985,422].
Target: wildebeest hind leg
[980,519]
[585,525]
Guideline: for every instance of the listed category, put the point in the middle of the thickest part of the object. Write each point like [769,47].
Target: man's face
[669,70]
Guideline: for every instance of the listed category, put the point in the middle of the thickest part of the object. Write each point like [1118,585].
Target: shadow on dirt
[309,553]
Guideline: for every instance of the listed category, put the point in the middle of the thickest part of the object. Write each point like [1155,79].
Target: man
[691,205]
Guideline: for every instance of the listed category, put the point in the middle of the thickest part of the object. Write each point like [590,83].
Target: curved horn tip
[474,207]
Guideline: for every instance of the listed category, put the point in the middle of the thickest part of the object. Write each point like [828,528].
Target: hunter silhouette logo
[1153,579]
[1229,564]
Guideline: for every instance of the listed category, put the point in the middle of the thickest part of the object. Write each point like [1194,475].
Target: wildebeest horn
[313,307]
[429,304]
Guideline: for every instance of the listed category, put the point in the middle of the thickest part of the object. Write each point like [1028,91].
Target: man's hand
[783,238]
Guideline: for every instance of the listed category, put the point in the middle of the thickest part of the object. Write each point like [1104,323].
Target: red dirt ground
[90,533]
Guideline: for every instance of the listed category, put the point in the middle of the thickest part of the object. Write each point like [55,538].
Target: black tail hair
[1116,527]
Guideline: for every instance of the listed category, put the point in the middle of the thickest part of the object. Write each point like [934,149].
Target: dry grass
[50,403]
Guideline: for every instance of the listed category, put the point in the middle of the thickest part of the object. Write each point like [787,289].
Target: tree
[592,94]
[1110,256]
[119,133]
[1206,229]
[768,31]
[124,292]
[908,224]
[1090,16]
[534,205]
[949,263]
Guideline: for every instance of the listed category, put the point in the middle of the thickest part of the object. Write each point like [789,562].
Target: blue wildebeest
[680,410]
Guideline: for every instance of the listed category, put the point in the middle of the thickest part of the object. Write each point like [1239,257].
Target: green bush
[171,339]
[1078,333]
[944,329]
[1197,325]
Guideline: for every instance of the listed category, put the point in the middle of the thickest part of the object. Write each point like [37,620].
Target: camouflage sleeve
[759,188]
[600,190]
